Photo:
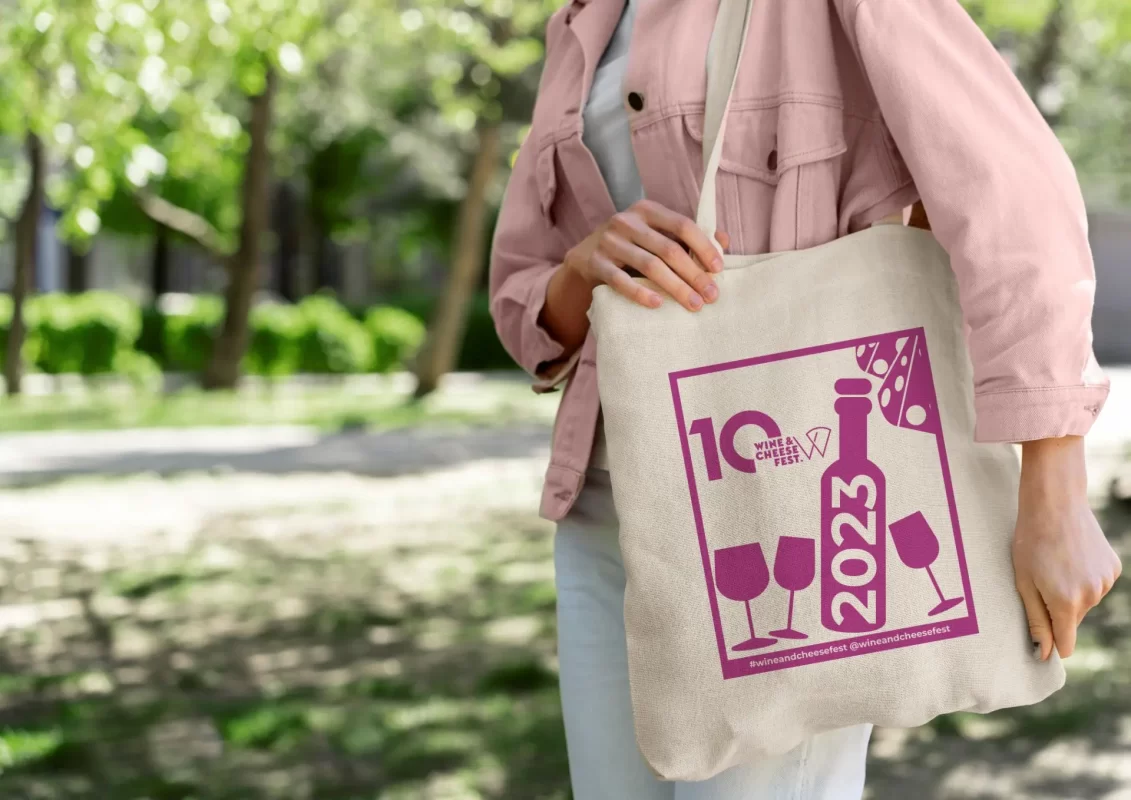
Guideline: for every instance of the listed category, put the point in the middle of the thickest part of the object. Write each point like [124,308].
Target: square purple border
[853,645]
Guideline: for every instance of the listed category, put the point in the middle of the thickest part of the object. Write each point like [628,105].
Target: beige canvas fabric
[812,538]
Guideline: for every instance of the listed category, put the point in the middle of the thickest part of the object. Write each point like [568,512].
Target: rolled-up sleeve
[525,253]
[1004,202]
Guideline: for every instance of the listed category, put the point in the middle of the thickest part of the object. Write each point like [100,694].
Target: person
[845,113]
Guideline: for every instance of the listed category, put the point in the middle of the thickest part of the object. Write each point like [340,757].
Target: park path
[31,458]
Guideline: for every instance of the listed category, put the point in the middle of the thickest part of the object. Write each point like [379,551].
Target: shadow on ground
[280,655]
[386,453]
[255,668]
[1074,746]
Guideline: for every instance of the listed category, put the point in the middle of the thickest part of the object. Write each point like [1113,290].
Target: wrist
[1055,466]
[565,310]
[572,277]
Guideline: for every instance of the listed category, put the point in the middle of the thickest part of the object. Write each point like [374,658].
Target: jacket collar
[593,23]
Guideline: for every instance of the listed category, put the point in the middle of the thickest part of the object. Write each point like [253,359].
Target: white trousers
[604,761]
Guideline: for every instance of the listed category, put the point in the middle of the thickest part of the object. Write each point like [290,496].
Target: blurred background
[268,481]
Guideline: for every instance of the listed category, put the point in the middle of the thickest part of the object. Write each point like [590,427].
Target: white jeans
[604,761]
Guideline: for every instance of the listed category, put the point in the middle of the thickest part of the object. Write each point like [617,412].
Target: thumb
[1040,624]
[723,238]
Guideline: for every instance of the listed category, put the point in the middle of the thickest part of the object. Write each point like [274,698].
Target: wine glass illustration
[794,567]
[918,547]
[741,574]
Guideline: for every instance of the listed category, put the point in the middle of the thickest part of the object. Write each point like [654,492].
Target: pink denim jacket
[843,112]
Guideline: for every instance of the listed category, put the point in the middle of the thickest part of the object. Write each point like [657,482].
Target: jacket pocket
[779,173]
[765,143]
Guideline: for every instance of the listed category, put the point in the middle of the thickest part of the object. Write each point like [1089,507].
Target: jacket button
[772,161]
[636,101]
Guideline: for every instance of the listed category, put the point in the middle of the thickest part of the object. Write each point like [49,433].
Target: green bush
[5,321]
[397,335]
[276,339]
[482,350]
[79,333]
[31,341]
[332,341]
[140,369]
[89,333]
[190,331]
[151,341]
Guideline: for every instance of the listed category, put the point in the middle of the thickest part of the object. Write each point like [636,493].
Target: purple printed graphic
[918,547]
[907,396]
[853,544]
[747,452]
[742,574]
[817,440]
[794,568]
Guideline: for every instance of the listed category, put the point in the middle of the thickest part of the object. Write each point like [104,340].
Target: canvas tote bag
[811,537]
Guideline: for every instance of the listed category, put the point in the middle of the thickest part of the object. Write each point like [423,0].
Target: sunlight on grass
[18,748]
[330,407]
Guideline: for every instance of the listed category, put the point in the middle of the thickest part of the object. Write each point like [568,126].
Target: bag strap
[723,56]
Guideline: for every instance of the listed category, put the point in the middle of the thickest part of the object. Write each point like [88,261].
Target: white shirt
[606,133]
[605,130]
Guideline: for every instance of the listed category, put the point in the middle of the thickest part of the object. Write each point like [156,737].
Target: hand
[651,240]
[1063,564]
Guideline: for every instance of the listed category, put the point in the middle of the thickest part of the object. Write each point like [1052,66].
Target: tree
[55,75]
[224,56]
[27,227]
[489,56]
[441,349]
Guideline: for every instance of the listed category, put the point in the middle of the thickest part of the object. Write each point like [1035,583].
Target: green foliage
[151,341]
[140,369]
[481,350]
[397,335]
[81,333]
[99,332]
[276,337]
[190,331]
[332,341]
[86,334]
[19,748]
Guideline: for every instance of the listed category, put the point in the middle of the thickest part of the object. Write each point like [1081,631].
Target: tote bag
[812,538]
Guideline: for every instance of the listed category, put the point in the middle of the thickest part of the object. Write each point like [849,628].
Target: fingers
[1040,624]
[616,246]
[683,229]
[1064,622]
[677,259]
[618,280]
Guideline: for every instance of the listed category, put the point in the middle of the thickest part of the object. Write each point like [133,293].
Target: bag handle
[723,56]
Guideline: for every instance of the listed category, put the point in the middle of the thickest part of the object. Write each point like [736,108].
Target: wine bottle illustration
[853,543]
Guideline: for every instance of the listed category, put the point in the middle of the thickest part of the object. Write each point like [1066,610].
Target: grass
[364,404]
[190,676]
[216,694]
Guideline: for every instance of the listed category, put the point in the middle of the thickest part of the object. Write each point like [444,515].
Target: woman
[844,114]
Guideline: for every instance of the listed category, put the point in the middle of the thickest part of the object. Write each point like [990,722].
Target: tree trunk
[223,370]
[78,263]
[288,242]
[445,335]
[160,274]
[1040,71]
[27,237]
[326,266]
